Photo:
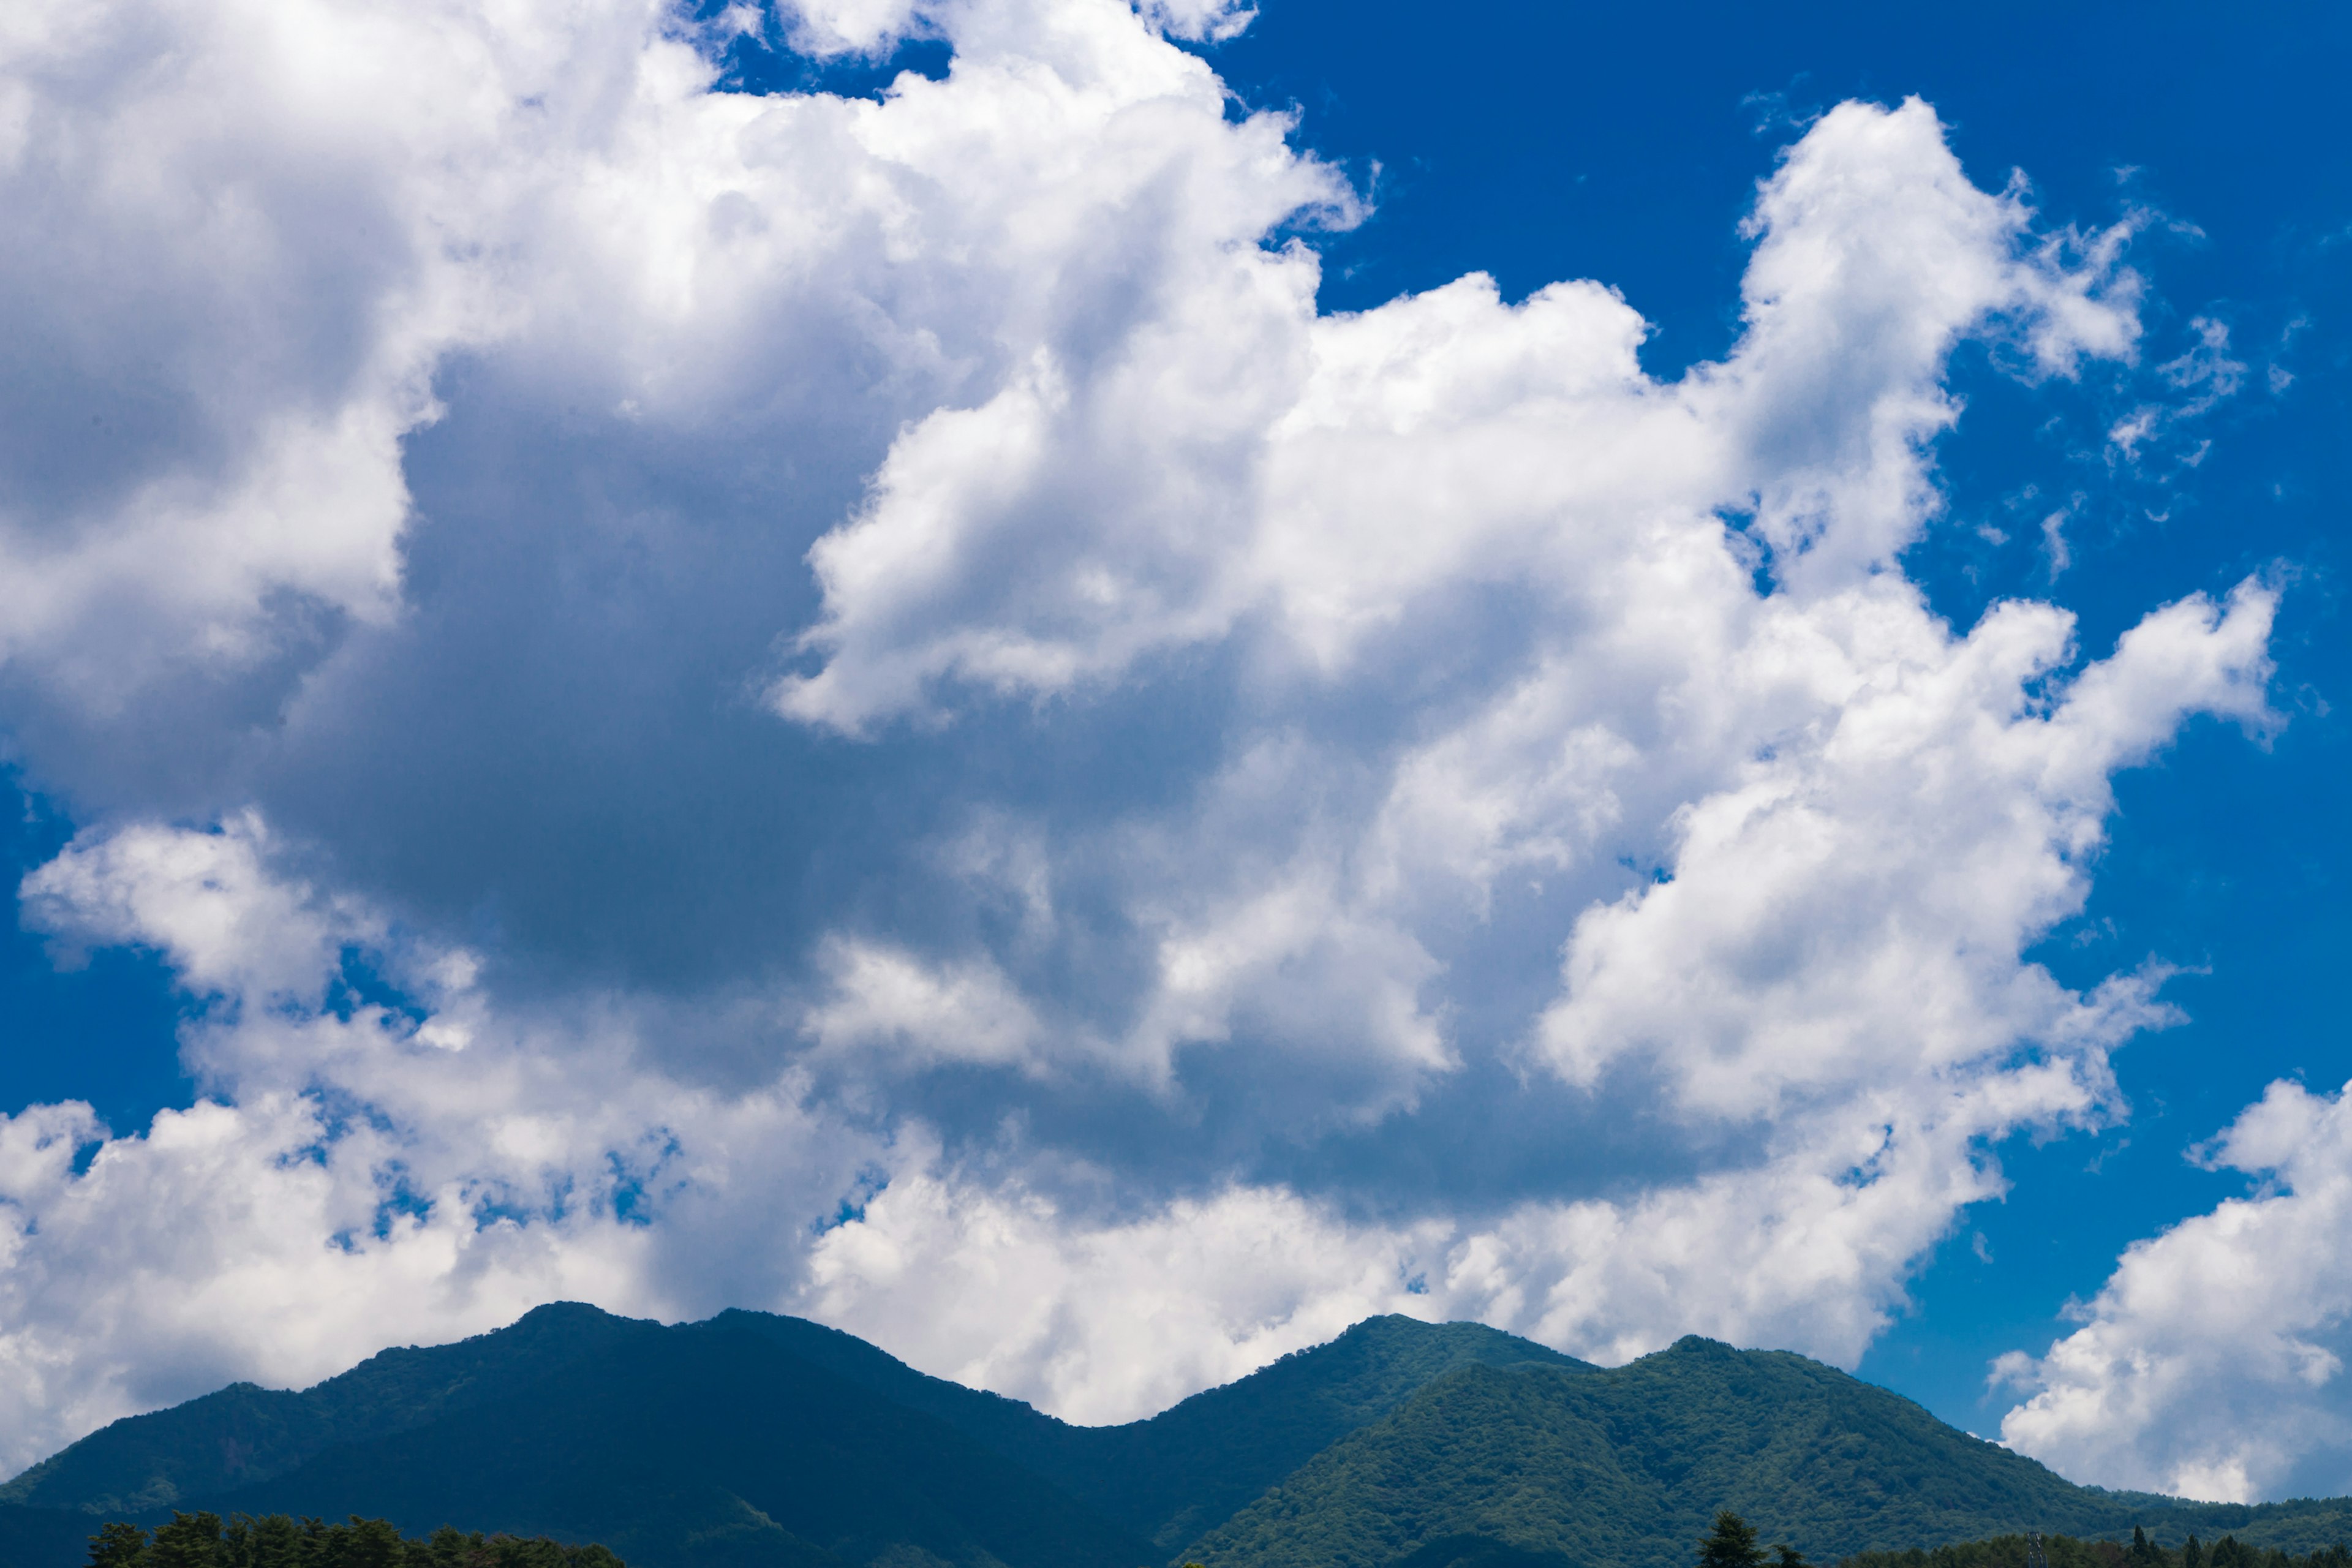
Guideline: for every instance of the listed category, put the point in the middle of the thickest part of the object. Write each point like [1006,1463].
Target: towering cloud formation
[844,704]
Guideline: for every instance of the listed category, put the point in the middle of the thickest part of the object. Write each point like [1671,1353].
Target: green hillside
[1191,1467]
[711,1450]
[1624,1468]
[244,1433]
[754,1441]
[1170,1476]
[1161,1480]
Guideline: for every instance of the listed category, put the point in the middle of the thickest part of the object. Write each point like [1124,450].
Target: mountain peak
[758,1440]
[1699,1344]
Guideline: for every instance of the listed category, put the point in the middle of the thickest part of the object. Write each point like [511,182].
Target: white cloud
[229,288]
[1106,1321]
[239,1242]
[2211,1363]
[1109,1319]
[1213,738]
[1854,911]
[2152,436]
[205,899]
[368,1178]
[1242,454]
[882,1000]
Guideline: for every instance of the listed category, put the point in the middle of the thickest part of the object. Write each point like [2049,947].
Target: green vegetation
[754,1441]
[1731,1544]
[1625,1468]
[242,1434]
[1167,1479]
[277,1541]
[1189,1469]
[381,1439]
[2068,1551]
[704,1449]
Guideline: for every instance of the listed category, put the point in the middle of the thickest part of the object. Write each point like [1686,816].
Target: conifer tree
[118,1545]
[1731,1544]
[277,1540]
[190,1540]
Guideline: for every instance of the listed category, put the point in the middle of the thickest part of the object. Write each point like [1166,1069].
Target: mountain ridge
[245,1433]
[1147,1477]
[751,1440]
[1625,1466]
[736,1452]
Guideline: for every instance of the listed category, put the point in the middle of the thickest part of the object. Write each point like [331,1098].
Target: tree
[372,1543]
[1731,1544]
[190,1540]
[276,1542]
[1787,1556]
[119,1545]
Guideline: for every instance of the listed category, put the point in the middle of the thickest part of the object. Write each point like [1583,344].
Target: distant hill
[1170,1476]
[710,1449]
[244,1433]
[755,1441]
[1623,1468]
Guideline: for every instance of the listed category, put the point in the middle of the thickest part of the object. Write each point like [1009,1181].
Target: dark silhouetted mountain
[754,1441]
[1162,1481]
[1172,1477]
[536,1429]
[244,1433]
[707,1447]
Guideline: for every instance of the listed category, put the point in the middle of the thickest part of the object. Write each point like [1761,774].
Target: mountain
[1624,1468]
[1193,1465]
[1172,1476]
[713,1450]
[478,1434]
[756,1441]
[244,1433]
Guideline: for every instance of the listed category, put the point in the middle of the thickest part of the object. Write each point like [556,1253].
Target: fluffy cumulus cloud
[835,702]
[2213,1363]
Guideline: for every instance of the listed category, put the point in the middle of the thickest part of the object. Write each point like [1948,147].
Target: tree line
[280,1541]
[1732,1544]
[2067,1551]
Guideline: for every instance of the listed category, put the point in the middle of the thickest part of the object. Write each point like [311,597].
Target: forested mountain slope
[708,1450]
[244,1433]
[1162,1480]
[754,1441]
[1170,1476]
[1623,1468]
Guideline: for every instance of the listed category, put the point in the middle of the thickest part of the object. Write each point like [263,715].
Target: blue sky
[1541,142]
[821,710]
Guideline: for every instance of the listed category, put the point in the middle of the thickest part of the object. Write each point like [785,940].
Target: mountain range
[757,1441]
